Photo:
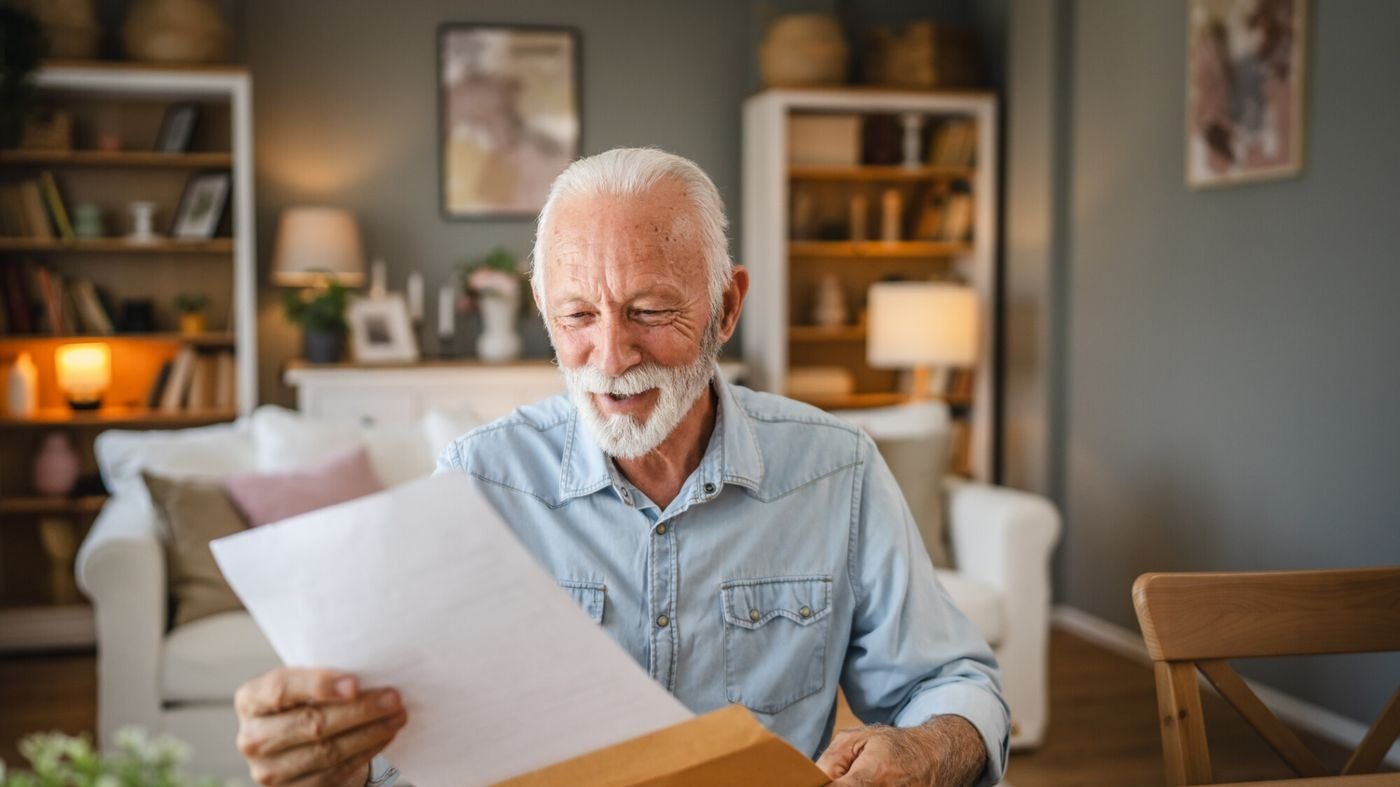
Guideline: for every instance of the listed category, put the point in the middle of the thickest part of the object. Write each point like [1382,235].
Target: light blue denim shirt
[788,565]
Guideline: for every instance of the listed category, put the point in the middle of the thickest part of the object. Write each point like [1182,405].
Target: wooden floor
[1102,720]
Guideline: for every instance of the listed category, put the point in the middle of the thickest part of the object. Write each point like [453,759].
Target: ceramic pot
[322,346]
[499,341]
[191,323]
[804,49]
[55,466]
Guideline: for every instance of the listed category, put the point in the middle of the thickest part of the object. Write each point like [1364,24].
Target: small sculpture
[829,310]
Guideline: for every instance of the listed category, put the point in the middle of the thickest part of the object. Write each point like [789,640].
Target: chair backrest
[1196,621]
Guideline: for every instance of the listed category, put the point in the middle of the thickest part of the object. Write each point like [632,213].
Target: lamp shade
[920,323]
[84,371]
[316,245]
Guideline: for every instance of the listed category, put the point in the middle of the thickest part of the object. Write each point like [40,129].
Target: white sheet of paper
[424,588]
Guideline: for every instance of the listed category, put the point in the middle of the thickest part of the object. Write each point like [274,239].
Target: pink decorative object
[55,466]
[270,497]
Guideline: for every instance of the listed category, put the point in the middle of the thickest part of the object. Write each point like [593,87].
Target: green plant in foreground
[59,760]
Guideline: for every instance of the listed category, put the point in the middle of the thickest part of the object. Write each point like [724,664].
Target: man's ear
[535,294]
[734,295]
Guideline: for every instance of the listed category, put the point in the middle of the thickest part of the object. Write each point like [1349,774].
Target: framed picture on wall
[1245,70]
[508,104]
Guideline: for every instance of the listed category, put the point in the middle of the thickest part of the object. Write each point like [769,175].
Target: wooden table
[1362,780]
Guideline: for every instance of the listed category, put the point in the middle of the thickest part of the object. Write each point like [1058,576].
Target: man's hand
[945,751]
[313,727]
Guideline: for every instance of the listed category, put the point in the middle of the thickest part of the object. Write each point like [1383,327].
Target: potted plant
[320,311]
[493,284]
[59,759]
[191,306]
[22,46]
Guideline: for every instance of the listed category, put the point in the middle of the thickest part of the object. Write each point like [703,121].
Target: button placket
[663,593]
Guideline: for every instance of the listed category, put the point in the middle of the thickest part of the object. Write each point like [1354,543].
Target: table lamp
[919,325]
[84,371]
[316,246]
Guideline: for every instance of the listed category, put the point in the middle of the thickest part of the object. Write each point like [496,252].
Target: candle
[446,315]
[891,215]
[415,296]
[377,280]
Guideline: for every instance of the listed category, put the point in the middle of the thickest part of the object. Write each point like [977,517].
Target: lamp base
[85,404]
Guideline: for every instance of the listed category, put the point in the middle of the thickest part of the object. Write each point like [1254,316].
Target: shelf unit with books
[57,288]
[844,188]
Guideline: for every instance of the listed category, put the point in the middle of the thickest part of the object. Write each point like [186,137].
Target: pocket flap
[589,596]
[751,603]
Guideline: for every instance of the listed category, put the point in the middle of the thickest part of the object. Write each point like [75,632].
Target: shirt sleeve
[912,654]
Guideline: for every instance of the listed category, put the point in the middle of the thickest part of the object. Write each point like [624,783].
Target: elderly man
[742,547]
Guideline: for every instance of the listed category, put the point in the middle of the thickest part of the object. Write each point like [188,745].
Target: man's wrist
[953,748]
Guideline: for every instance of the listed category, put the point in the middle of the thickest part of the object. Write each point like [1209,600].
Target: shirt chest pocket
[589,595]
[775,635]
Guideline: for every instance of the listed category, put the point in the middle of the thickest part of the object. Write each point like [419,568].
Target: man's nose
[617,349]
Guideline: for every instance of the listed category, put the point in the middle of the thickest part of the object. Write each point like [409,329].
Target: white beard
[678,388]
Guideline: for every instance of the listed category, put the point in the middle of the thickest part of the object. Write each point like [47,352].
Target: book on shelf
[957,220]
[201,392]
[954,144]
[172,399]
[95,318]
[12,220]
[157,392]
[224,381]
[39,301]
[194,381]
[36,218]
[54,200]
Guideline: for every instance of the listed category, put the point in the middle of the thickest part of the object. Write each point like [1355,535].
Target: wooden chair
[1196,621]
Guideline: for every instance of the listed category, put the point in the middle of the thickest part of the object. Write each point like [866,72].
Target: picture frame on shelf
[508,116]
[201,206]
[381,331]
[177,127]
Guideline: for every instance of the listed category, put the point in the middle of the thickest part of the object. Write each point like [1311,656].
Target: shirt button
[709,489]
[805,612]
[754,616]
[662,621]
[661,530]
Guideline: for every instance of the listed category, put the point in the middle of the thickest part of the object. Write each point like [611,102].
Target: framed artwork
[201,206]
[508,110]
[177,129]
[1244,100]
[380,330]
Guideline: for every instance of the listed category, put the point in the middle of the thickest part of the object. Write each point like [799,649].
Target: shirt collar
[733,455]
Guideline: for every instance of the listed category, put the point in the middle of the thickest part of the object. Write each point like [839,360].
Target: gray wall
[345,112]
[1230,356]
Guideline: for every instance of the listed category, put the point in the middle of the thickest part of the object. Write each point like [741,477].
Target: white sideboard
[400,394]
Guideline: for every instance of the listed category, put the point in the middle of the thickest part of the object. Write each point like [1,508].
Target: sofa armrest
[1004,538]
[121,568]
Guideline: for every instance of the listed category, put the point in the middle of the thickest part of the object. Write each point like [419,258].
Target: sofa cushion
[190,514]
[207,660]
[980,602]
[202,452]
[287,440]
[264,498]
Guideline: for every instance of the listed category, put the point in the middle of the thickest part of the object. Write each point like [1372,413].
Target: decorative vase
[322,346]
[176,31]
[499,341]
[87,220]
[830,308]
[804,49]
[191,323]
[55,466]
[22,387]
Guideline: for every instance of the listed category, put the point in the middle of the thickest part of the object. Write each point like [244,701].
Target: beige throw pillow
[192,513]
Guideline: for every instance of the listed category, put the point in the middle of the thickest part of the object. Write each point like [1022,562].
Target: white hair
[633,171]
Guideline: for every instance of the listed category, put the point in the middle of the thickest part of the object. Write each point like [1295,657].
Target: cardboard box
[823,140]
[723,748]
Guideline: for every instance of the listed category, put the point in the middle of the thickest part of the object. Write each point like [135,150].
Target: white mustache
[636,380]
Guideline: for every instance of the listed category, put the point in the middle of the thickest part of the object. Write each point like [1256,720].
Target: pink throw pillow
[270,497]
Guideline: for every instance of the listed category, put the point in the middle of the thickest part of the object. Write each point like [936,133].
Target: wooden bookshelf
[207,339]
[876,248]
[818,333]
[127,417]
[132,159]
[52,506]
[213,246]
[881,174]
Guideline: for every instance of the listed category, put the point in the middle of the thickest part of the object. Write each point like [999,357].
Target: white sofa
[182,681]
